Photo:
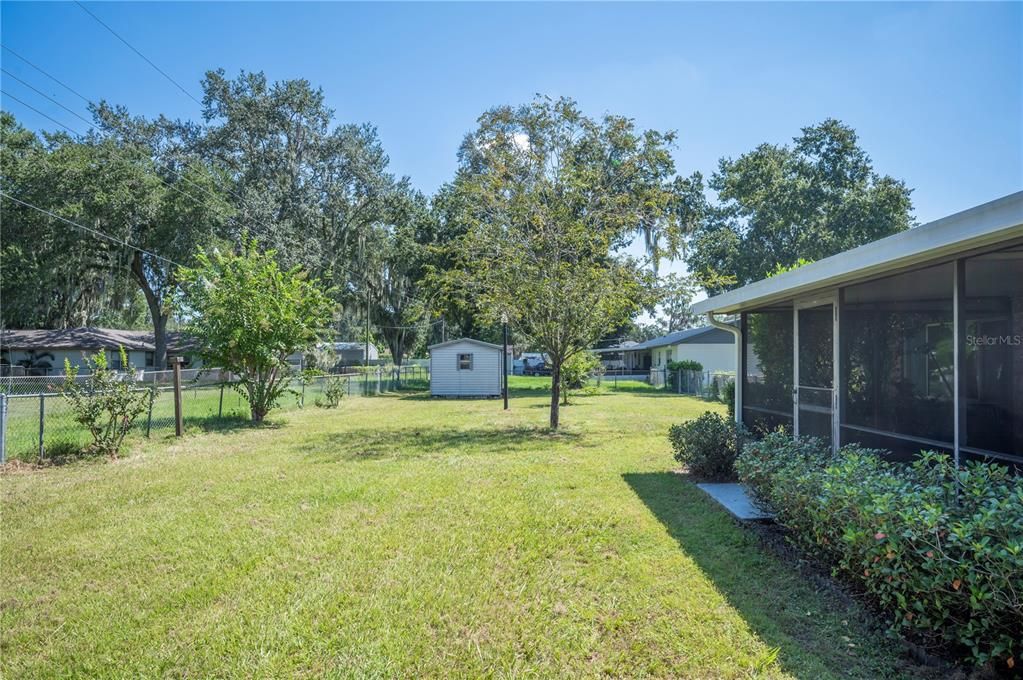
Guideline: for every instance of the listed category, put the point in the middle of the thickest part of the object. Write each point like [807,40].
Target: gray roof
[88,338]
[475,342]
[701,335]
[984,225]
[343,346]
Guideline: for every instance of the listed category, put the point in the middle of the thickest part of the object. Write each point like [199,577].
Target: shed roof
[984,225]
[475,342]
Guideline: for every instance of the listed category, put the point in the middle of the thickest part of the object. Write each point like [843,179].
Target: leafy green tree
[777,204]
[399,307]
[56,276]
[549,196]
[188,207]
[675,299]
[249,315]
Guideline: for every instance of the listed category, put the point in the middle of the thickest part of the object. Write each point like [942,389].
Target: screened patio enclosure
[911,343]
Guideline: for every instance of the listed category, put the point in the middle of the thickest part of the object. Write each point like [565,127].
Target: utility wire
[44,115]
[233,193]
[41,93]
[95,232]
[80,136]
[51,77]
[167,167]
[133,49]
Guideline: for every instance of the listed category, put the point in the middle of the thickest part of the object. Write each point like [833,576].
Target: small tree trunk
[555,392]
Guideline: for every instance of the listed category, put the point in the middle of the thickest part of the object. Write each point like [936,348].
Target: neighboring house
[466,368]
[353,353]
[613,357]
[42,352]
[912,342]
[712,347]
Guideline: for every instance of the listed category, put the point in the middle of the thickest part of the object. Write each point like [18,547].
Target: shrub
[673,369]
[940,549]
[107,404]
[685,365]
[333,391]
[577,370]
[707,445]
[728,397]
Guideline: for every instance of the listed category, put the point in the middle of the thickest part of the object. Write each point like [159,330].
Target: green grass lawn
[400,536]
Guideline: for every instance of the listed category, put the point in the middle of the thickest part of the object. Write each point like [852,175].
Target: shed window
[465,362]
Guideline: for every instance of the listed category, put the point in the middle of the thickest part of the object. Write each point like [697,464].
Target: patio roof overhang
[984,225]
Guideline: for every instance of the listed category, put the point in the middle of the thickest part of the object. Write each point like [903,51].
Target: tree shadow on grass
[414,442]
[812,624]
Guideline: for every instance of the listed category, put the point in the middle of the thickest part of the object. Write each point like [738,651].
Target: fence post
[42,426]
[220,406]
[179,425]
[149,418]
[3,428]
[301,398]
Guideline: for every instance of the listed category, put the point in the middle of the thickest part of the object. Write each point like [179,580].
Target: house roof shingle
[89,338]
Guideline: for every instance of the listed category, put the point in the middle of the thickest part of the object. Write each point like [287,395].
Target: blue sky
[934,90]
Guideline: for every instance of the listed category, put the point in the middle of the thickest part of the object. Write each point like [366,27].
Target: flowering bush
[108,403]
[940,549]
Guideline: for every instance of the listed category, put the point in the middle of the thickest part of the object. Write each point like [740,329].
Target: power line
[91,103]
[41,93]
[95,232]
[51,77]
[123,158]
[144,57]
[167,167]
[44,115]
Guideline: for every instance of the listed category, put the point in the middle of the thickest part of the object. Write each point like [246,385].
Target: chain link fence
[37,422]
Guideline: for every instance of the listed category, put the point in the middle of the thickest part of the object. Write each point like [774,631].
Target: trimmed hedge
[707,445]
[940,549]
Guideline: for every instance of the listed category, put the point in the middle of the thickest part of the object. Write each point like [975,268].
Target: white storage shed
[465,368]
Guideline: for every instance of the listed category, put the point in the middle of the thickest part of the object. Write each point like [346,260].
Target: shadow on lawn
[770,594]
[372,444]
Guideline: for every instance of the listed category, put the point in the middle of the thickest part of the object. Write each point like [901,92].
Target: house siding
[484,380]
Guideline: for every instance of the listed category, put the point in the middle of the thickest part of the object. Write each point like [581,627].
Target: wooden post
[149,418]
[220,407]
[179,426]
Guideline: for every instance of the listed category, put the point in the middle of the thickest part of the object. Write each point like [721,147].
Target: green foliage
[333,391]
[675,293]
[780,204]
[548,197]
[782,268]
[688,365]
[728,397]
[576,370]
[940,549]
[107,404]
[707,446]
[249,315]
[685,365]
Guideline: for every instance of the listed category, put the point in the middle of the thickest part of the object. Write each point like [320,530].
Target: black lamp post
[504,361]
